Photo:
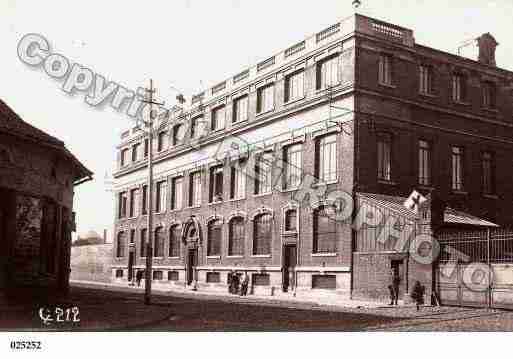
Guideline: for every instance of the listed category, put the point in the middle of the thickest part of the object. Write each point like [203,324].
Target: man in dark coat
[138,277]
[394,288]
[229,282]
[245,284]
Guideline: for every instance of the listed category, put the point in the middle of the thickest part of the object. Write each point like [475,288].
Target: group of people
[235,285]
[417,293]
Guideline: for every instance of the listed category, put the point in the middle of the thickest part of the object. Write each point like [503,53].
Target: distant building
[360,107]
[37,177]
[89,238]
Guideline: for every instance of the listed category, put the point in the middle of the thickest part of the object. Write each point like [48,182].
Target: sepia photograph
[291,176]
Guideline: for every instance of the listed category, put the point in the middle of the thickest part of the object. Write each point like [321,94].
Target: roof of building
[13,125]
[451,216]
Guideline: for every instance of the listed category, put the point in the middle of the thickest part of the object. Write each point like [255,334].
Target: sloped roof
[451,216]
[13,125]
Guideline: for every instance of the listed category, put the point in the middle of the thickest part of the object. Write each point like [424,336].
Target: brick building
[37,177]
[359,109]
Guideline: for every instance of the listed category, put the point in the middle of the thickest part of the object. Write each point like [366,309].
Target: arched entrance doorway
[191,238]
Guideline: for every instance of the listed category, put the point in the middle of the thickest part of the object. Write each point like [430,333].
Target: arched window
[325,230]
[158,250]
[291,220]
[214,238]
[236,237]
[178,135]
[174,241]
[262,235]
[121,245]
[144,234]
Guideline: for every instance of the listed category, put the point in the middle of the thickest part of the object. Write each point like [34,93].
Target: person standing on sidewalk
[138,277]
[394,288]
[244,286]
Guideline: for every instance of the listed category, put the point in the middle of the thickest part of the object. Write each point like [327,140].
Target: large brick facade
[357,108]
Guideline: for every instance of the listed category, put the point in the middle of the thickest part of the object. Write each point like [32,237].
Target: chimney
[487,45]
[104,236]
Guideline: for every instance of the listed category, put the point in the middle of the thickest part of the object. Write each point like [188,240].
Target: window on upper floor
[162,138]
[459,87]
[132,236]
[134,202]
[121,245]
[489,95]
[328,72]
[385,69]
[122,204]
[214,238]
[218,118]
[178,134]
[240,109]
[488,168]
[426,79]
[384,142]
[324,230]
[263,172]
[326,158]
[124,157]
[195,189]
[236,237]
[216,184]
[135,152]
[196,126]
[144,196]
[160,203]
[262,234]
[265,98]
[424,163]
[292,168]
[238,180]
[177,193]
[457,168]
[295,86]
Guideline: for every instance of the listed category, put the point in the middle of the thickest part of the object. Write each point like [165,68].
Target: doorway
[192,262]
[397,271]
[131,260]
[289,265]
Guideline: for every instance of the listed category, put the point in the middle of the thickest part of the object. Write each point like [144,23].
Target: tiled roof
[451,216]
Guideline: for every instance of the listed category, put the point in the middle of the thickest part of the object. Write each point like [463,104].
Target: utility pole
[149,237]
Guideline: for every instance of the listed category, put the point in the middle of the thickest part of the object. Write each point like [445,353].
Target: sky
[187,45]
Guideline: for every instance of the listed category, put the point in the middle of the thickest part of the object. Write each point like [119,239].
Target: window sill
[264,112]
[193,207]
[160,212]
[491,196]
[238,256]
[175,210]
[324,254]
[428,94]
[260,256]
[173,257]
[491,110]
[216,130]
[387,85]
[262,194]
[213,257]
[463,193]
[462,103]
[236,199]
[390,183]
[326,88]
[294,100]
[289,233]
[157,257]
[215,203]
[235,123]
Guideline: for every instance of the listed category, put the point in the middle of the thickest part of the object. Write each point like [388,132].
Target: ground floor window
[119,273]
[213,277]
[172,276]
[324,282]
[261,279]
[157,275]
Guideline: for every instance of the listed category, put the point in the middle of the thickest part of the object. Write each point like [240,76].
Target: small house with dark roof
[37,178]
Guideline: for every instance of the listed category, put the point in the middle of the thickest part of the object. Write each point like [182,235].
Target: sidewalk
[279,298]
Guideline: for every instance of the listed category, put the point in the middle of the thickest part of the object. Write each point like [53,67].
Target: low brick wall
[92,263]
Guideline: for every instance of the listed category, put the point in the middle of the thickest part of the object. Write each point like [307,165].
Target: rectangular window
[263,172]
[240,109]
[135,152]
[213,277]
[214,238]
[132,236]
[172,276]
[488,166]
[293,166]
[157,275]
[144,238]
[145,199]
[195,189]
[385,69]
[328,72]
[489,95]
[424,163]
[238,181]
[295,86]
[265,98]
[218,118]
[326,158]
[119,273]
[260,279]
[458,88]
[196,124]
[161,141]
[384,157]
[216,184]
[146,147]
[176,193]
[134,202]
[122,204]
[160,205]
[324,281]
[457,168]
[178,134]
[124,156]
[425,82]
